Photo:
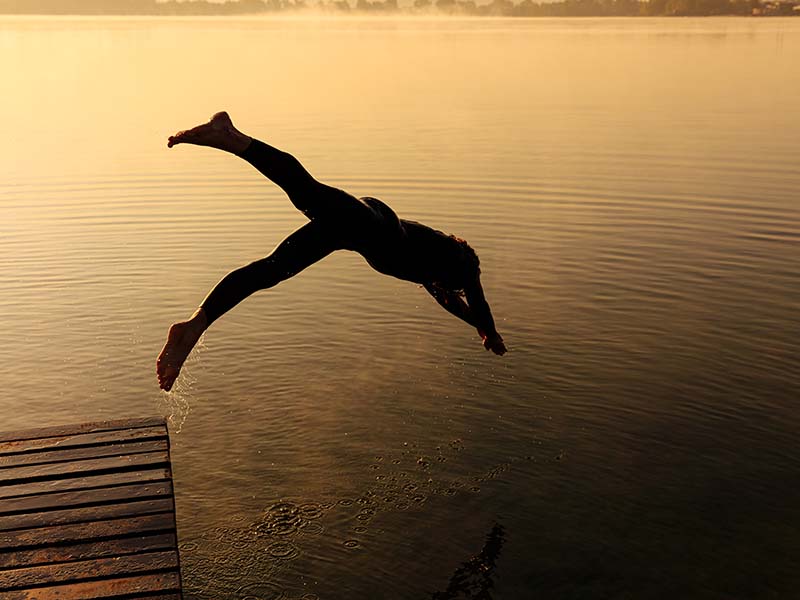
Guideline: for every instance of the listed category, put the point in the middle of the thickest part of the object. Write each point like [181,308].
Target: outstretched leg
[304,247]
[312,198]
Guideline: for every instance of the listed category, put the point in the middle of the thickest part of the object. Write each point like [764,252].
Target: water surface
[631,188]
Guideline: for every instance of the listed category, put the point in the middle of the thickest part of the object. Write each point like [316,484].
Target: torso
[421,254]
[404,249]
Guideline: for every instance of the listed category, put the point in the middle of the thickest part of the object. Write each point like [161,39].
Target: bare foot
[219,133]
[180,340]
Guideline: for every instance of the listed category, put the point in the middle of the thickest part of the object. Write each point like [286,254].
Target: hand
[493,342]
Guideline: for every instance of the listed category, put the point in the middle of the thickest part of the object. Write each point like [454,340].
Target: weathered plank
[76,440]
[91,497]
[104,588]
[85,514]
[41,536]
[77,468]
[88,569]
[89,549]
[62,430]
[70,454]
[94,481]
[88,511]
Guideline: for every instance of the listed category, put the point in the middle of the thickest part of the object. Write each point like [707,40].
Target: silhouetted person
[445,265]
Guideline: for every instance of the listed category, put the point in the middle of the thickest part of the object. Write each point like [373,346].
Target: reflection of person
[445,265]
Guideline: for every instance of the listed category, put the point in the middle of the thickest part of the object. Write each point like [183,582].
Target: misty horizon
[492,8]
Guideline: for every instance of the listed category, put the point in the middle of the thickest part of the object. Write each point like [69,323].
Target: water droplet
[279,523]
[310,511]
[311,528]
[259,591]
[189,546]
[456,444]
[345,502]
[283,508]
[351,544]
[283,550]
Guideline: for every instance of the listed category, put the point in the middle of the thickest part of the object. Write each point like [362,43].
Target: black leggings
[337,221]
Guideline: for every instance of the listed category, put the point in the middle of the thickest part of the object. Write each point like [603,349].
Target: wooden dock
[87,511]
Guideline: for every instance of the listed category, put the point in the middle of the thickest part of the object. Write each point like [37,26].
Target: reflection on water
[473,579]
[631,188]
[257,553]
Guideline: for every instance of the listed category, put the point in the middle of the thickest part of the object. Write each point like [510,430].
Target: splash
[174,405]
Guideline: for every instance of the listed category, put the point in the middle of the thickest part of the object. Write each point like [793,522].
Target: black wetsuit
[338,221]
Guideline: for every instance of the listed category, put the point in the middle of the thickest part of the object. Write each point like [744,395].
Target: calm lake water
[631,186]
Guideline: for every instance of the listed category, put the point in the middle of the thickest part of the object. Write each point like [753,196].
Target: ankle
[199,320]
[239,143]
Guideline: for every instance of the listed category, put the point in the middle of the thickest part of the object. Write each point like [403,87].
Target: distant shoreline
[425,8]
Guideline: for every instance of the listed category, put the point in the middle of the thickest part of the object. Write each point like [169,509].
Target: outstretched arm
[477,313]
[452,303]
[482,315]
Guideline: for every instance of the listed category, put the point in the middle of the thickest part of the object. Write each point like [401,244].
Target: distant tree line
[505,8]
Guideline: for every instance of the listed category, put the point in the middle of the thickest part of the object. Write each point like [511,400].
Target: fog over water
[631,187]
